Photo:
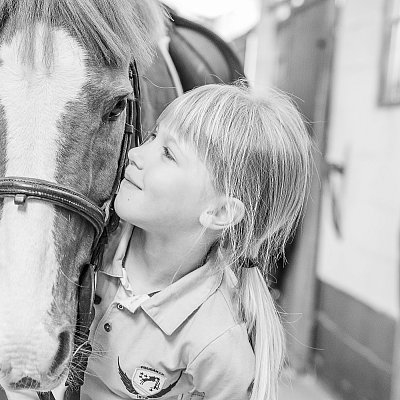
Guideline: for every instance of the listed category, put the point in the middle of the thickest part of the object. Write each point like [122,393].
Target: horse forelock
[110,30]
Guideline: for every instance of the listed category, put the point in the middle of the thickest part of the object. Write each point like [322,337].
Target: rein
[103,219]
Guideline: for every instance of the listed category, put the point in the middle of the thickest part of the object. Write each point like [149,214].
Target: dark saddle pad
[200,56]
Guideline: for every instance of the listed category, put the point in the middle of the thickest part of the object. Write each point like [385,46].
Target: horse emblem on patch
[148,381]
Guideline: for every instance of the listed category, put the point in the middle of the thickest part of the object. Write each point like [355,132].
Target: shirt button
[107,327]
[120,306]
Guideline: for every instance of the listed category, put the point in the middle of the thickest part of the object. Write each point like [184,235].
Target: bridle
[103,219]
[22,188]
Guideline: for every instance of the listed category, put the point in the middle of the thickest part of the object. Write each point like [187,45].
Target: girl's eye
[168,154]
[117,110]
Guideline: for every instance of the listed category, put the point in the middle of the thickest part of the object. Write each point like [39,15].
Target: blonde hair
[258,151]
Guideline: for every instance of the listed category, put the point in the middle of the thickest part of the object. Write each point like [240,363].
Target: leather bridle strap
[85,316]
[31,188]
[133,127]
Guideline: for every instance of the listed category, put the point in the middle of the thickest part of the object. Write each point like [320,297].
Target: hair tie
[249,263]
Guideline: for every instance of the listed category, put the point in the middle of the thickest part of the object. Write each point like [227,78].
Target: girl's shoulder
[221,345]
[217,315]
[222,302]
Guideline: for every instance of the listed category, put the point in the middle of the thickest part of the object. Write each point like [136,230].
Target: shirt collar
[170,307]
[114,267]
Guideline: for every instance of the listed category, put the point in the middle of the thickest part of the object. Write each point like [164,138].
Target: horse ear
[229,212]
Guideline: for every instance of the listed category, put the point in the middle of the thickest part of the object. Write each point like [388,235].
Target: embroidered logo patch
[148,381]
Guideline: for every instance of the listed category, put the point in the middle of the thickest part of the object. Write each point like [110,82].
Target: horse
[66,74]
[64,88]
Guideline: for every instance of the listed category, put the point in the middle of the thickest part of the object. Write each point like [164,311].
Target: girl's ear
[229,212]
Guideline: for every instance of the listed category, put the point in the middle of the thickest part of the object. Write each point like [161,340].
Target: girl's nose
[135,157]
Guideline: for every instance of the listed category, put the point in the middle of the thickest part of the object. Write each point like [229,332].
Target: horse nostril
[62,352]
[27,383]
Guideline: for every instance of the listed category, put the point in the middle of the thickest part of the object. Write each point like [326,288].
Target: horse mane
[109,29]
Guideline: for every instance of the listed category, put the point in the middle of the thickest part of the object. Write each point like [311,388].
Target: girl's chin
[123,207]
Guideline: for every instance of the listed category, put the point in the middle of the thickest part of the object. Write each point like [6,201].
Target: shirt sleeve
[224,369]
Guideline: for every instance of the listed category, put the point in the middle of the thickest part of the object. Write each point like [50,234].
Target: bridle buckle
[19,199]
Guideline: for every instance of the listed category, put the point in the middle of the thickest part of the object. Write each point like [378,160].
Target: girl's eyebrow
[148,133]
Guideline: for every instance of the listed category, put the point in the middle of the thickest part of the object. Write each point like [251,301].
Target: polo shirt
[183,342]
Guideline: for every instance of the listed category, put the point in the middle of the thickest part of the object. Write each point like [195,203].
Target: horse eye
[117,110]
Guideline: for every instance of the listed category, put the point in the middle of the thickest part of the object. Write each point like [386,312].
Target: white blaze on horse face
[33,99]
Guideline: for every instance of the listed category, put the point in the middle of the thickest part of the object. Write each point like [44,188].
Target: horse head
[64,84]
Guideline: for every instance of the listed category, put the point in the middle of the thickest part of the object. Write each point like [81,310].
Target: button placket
[102,324]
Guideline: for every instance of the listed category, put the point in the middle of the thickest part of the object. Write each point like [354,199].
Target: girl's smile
[130,180]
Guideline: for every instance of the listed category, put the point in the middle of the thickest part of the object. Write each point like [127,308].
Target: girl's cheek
[164,177]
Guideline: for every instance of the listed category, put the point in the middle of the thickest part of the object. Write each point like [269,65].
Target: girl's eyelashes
[150,136]
[168,154]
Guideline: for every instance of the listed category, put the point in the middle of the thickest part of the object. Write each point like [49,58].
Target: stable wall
[363,261]
[357,268]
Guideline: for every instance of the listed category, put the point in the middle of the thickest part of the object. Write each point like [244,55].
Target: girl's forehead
[169,131]
[189,138]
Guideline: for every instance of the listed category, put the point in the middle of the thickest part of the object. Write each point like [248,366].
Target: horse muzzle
[37,363]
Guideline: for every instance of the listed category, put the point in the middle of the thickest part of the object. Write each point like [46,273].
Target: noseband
[103,219]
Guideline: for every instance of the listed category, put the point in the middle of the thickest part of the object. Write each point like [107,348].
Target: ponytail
[265,332]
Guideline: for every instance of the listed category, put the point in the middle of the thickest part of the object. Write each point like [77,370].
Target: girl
[183,310]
